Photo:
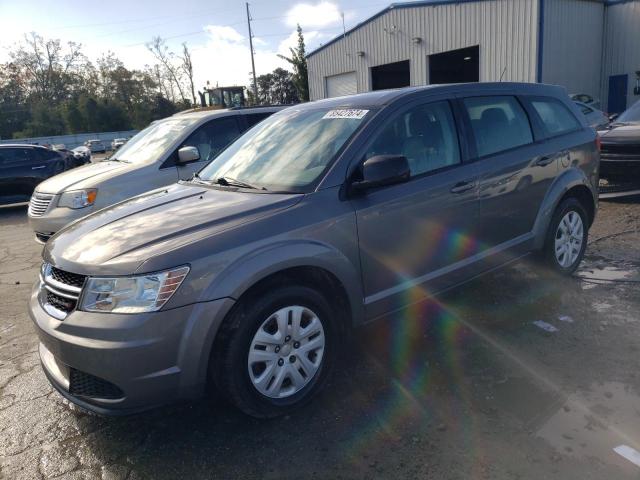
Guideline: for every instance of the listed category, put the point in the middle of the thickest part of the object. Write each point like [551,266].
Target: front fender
[249,269]
[567,180]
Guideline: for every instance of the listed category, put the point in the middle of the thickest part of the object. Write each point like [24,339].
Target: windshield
[153,141]
[631,115]
[289,151]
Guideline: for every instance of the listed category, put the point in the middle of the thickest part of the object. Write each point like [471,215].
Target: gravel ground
[465,386]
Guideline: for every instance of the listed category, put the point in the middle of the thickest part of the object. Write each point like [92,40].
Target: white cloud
[312,37]
[225,58]
[313,16]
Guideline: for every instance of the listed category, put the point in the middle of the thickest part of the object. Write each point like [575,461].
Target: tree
[171,74]
[187,67]
[298,60]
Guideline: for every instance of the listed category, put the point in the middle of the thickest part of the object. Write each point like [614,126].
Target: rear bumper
[148,359]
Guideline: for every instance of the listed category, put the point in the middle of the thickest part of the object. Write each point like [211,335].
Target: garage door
[343,84]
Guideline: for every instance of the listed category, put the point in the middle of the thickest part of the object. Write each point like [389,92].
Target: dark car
[620,143]
[22,167]
[323,217]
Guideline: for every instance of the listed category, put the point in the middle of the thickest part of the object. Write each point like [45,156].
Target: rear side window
[555,116]
[425,134]
[498,123]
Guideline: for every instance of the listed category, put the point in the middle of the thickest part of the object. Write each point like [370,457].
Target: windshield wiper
[233,182]
[198,179]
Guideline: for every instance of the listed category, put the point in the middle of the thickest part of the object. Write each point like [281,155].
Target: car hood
[621,134]
[118,239]
[86,176]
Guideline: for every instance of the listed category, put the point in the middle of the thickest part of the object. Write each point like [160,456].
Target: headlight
[78,198]
[143,293]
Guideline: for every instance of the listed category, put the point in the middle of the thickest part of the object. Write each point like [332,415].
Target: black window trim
[471,137]
[546,135]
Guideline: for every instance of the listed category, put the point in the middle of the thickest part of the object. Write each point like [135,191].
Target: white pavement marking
[547,327]
[565,318]
[629,453]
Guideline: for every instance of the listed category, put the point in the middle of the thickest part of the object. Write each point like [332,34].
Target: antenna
[503,72]
[253,65]
[344,30]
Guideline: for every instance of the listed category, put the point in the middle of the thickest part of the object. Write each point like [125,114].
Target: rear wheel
[567,236]
[276,350]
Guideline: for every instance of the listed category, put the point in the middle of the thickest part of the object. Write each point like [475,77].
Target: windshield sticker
[346,113]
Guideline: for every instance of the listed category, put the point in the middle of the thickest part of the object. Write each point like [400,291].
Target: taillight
[598,142]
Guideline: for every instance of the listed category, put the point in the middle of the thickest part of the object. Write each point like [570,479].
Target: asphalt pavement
[516,375]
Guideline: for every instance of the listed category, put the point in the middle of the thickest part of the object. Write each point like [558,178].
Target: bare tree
[173,73]
[187,67]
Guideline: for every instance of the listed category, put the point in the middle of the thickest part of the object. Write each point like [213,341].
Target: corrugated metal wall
[622,46]
[572,45]
[506,31]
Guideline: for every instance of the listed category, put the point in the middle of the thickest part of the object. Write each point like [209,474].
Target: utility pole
[344,30]
[253,65]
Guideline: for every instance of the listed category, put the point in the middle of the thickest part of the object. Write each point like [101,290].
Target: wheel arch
[571,183]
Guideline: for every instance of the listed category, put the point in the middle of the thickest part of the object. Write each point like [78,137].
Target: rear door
[415,236]
[515,170]
[210,139]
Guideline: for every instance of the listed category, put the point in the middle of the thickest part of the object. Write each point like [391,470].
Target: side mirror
[383,170]
[613,116]
[188,155]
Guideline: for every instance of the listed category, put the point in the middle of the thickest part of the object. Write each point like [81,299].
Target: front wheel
[276,350]
[566,239]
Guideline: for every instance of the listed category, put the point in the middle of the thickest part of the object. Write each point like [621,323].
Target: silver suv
[166,151]
[324,216]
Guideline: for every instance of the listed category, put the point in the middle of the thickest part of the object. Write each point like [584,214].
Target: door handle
[462,187]
[37,168]
[544,161]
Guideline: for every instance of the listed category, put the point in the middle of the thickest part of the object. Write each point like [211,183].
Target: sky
[215,30]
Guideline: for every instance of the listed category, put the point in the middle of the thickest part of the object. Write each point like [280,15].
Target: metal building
[588,46]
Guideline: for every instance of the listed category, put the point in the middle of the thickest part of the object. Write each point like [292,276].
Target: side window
[13,156]
[426,135]
[498,123]
[254,118]
[42,155]
[212,137]
[555,116]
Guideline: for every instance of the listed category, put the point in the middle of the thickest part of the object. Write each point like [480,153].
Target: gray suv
[323,217]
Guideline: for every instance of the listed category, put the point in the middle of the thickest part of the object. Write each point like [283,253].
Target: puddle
[593,423]
[597,269]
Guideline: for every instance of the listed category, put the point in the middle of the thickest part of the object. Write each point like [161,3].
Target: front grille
[620,149]
[61,290]
[59,302]
[68,278]
[39,204]
[87,385]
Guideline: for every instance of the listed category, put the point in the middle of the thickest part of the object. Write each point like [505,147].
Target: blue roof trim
[421,3]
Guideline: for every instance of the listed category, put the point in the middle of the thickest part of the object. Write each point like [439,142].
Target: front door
[413,235]
[210,139]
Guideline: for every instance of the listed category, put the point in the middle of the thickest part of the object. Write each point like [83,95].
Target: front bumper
[619,163]
[152,358]
[54,219]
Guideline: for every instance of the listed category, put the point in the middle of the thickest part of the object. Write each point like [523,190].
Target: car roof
[22,145]
[204,113]
[384,97]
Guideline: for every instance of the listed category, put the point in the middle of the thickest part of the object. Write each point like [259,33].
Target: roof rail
[262,106]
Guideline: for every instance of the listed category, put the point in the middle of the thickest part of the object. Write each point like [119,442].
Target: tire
[570,210]
[237,378]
